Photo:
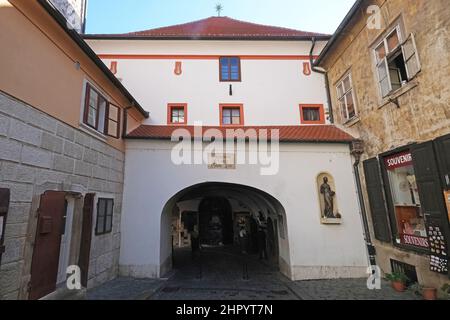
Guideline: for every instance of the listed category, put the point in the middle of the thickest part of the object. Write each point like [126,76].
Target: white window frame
[385,59]
[407,58]
[343,98]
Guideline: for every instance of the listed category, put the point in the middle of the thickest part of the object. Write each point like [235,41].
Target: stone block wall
[36,149]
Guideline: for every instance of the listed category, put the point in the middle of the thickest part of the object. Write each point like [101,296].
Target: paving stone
[221,278]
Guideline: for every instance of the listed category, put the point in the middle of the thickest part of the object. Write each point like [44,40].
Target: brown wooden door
[86,235]
[4,206]
[44,266]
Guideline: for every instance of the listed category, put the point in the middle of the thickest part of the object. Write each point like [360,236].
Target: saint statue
[328,196]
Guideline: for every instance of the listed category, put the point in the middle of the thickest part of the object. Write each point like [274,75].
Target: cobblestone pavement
[224,274]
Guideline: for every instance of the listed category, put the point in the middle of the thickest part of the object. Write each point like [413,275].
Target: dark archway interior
[216,221]
[228,221]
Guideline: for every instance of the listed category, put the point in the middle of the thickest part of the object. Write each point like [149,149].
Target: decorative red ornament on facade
[306,68]
[178,70]
[113,67]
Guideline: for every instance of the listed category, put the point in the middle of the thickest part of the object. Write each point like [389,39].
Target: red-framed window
[101,115]
[177,113]
[230,69]
[231,115]
[312,114]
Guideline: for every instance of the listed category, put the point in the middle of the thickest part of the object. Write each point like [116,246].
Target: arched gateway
[233,219]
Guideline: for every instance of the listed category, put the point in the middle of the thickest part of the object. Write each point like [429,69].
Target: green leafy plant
[445,289]
[397,277]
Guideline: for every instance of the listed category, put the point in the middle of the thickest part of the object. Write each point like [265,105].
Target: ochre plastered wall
[37,63]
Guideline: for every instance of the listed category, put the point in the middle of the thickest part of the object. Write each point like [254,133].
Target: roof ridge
[163,27]
[215,26]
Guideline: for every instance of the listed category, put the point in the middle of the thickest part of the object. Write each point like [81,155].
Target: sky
[120,16]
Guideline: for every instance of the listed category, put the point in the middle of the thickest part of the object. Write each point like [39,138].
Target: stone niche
[327,193]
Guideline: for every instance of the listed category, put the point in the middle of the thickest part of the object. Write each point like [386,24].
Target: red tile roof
[218,28]
[316,133]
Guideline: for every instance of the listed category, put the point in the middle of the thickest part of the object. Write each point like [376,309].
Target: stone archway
[244,200]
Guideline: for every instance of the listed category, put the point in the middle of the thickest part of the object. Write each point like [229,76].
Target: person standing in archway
[195,241]
[243,239]
[262,243]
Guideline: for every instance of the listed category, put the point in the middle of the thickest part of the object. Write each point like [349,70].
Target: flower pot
[398,286]
[429,293]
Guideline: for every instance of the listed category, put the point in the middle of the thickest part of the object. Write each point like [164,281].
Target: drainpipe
[357,151]
[327,82]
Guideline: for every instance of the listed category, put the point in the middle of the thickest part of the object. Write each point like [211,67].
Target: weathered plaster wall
[424,111]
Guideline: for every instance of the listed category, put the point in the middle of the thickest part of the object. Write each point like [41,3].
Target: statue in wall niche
[328,197]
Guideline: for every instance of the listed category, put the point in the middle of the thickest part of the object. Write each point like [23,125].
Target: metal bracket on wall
[395,101]
[231,89]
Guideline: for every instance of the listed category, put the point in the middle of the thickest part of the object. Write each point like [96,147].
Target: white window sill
[397,93]
[351,122]
[92,132]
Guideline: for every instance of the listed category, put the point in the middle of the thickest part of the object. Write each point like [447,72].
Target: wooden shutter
[431,193]
[377,200]
[443,155]
[411,57]
[112,121]
[4,206]
[86,236]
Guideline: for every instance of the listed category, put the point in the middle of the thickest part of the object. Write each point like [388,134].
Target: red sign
[413,240]
[398,160]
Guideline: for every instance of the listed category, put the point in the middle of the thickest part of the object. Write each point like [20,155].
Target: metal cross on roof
[219,9]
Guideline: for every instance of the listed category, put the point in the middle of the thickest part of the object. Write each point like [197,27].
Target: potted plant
[398,280]
[429,293]
[445,291]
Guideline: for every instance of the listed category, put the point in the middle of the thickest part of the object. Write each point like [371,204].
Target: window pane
[380,52]
[236,120]
[93,99]
[393,41]
[311,114]
[343,109]
[174,112]
[226,120]
[340,90]
[113,113]
[108,224]
[109,207]
[100,225]
[92,117]
[346,84]
[225,68]
[226,112]
[101,207]
[112,128]
[236,112]
[350,105]
[382,70]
